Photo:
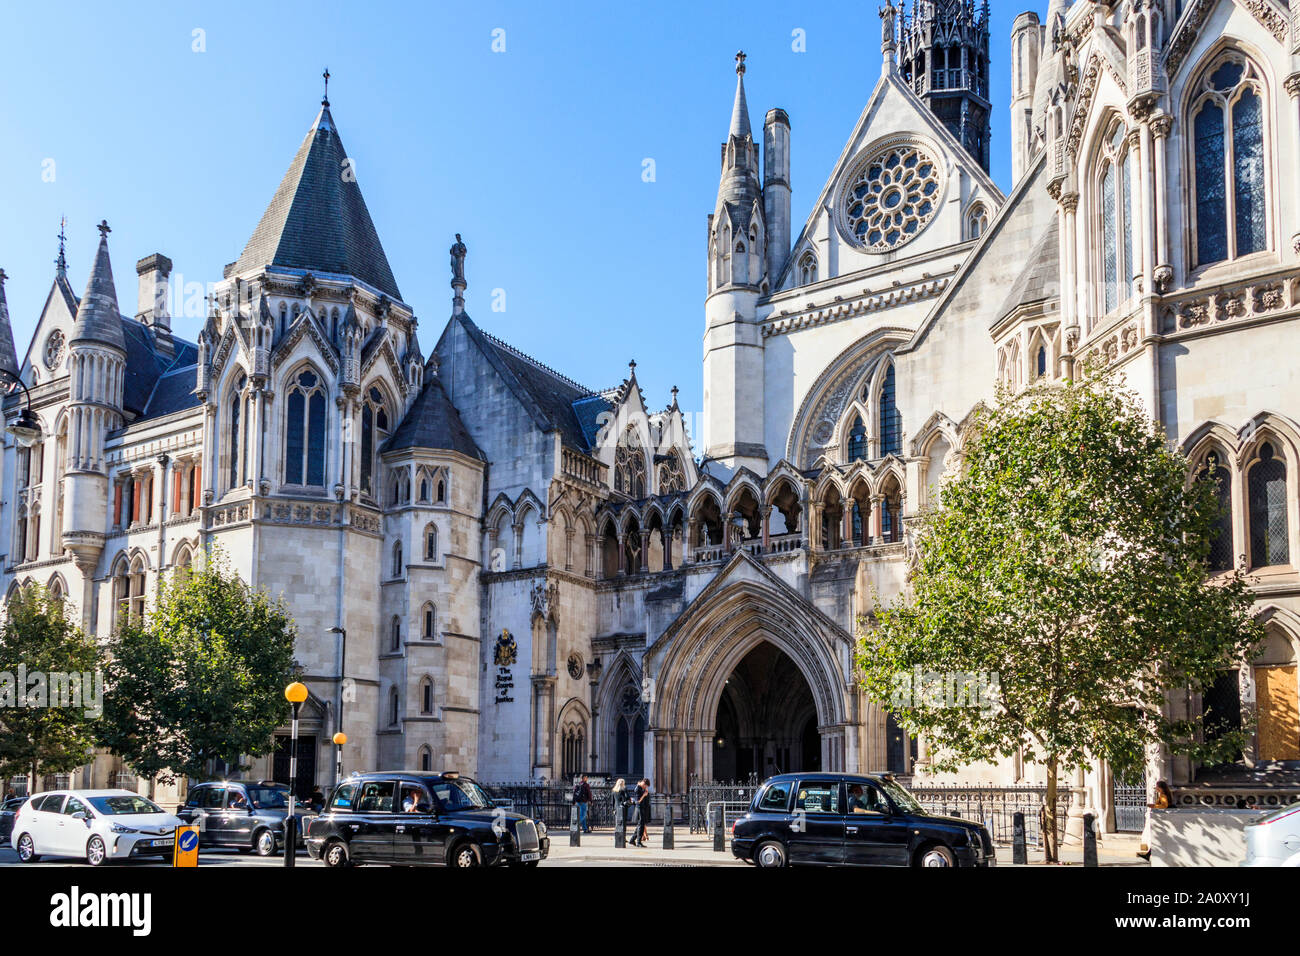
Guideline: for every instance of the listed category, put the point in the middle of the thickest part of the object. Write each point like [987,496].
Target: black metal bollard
[1089,841]
[668,826]
[720,832]
[1019,853]
[620,826]
[575,838]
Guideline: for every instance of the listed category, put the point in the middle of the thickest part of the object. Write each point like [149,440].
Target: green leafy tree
[201,677]
[1067,564]
[43,729]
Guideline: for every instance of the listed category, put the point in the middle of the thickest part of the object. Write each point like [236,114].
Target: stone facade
[536,578]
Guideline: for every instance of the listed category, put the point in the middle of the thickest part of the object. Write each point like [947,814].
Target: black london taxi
[837,819]
[241,814]
[407,818]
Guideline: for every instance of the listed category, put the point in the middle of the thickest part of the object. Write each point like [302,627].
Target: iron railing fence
[551,802]
[996,807]
[698,808]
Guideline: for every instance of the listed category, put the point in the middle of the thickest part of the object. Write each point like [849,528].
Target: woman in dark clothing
[642,811]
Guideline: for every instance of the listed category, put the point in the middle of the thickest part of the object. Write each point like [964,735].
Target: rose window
[54,350]
[892,197]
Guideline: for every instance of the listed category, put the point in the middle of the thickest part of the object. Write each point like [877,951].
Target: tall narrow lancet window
[858,440]
[1269,531]
[891,422]
[1116,196]
[374,429]
[1230,178]
[304,443]
[238,434]
[1220,558]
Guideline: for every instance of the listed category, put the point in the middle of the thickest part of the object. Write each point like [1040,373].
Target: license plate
[529,857]
[161,842]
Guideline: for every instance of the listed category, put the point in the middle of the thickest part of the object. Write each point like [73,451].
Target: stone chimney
[151,309]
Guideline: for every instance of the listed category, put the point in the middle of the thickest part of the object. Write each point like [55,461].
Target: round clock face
[575,666]
[54,350]
[890,197]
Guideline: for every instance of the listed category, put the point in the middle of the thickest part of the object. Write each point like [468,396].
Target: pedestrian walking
[642,799]
[582,797]
[618,793]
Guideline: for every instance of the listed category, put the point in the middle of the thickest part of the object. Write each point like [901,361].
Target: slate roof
[555,402]
[1041,277]
[98,319]
[433,422]
[8,355]
[317,220]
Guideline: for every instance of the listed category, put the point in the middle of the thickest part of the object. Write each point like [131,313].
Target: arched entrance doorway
[766,719]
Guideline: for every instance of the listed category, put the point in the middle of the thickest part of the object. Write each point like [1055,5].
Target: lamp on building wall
[295,694]
[25,429]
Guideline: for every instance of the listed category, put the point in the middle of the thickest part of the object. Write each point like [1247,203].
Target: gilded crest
[507,651]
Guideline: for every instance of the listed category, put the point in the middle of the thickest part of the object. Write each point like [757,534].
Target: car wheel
[264,843]
[27,849]
[466,855]
[770,854]
[96,853]
[335,855]
[935,855]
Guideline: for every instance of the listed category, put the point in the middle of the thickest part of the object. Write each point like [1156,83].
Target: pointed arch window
[671,478]
[629,466]
[1231,204]
[891,422]
[1269,531]
[426,696]
[1115,189]
[442,491]
[977,221]
[858,440]
[237,442]
[429,623]
[374,429]
[431,543]
[426,759]
[1220,558]
[395,634]
[394,707]
[807,269]
[1040,360]
[423,488]
[397,559]
[304,442]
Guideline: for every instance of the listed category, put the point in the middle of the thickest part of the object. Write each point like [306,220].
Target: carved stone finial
[325,100]
[740,62]
[103,228]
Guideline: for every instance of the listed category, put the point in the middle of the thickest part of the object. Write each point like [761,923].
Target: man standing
[582,797]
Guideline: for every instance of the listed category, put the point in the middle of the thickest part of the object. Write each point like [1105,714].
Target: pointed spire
[61,263]
[8,355]
[98,318]
[740,109]
[325,100]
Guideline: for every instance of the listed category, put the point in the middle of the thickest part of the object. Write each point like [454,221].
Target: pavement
[597,849]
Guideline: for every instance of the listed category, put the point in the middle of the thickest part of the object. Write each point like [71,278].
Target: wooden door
[1279,712]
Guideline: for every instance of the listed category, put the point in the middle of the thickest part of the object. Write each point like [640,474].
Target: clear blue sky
[534,155]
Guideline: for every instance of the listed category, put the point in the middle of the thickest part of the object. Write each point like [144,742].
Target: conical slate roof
[740,110]
[8,355]
[98,318]
[317,219]
[433,422]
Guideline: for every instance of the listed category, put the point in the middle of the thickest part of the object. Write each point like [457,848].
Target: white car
[96,825]
[1274,839]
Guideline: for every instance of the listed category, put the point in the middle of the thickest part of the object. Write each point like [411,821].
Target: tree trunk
[1049,814]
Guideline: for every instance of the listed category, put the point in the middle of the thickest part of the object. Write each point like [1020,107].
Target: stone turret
[776,190]
[1026,46]
[97,366]
[738,275]
[8,355]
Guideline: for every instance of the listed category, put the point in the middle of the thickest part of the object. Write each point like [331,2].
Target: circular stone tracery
[891,197]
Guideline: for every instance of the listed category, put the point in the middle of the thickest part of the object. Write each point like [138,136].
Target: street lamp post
[25,429]
[295,694]
[342,632]
[339,740]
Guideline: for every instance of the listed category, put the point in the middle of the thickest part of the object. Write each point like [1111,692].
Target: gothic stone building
[536,578]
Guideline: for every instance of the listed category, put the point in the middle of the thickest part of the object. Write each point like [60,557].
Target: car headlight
[118,828]
[541,828]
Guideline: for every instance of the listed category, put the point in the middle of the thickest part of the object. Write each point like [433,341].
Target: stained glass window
[1117,214]
[858,440]
[1221,544]
[1110,250]
[1268,520]
[891,422]
[304,443]
[1228,129]
[374,429]
[236,401]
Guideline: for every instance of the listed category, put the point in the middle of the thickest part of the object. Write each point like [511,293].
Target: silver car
[1274,839]
[95,825]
